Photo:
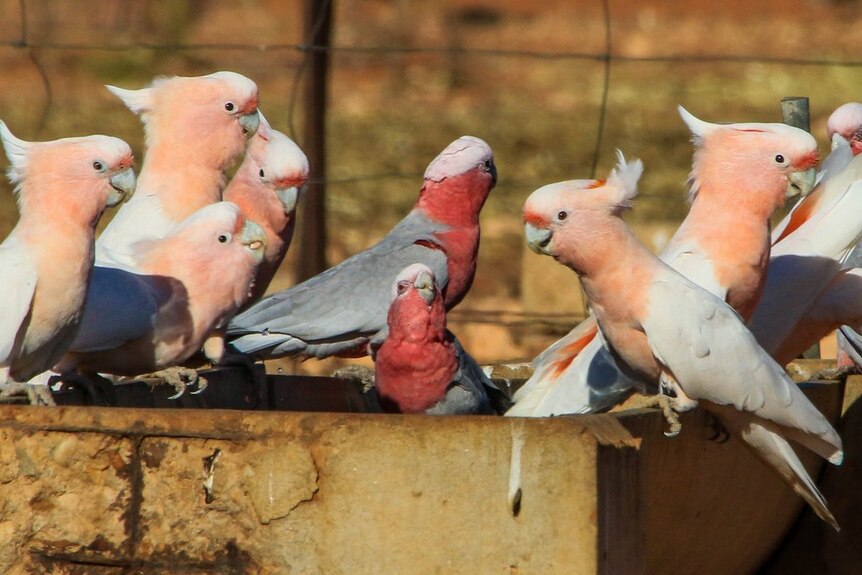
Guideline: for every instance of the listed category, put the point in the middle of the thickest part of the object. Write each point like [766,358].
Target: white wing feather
[17,295]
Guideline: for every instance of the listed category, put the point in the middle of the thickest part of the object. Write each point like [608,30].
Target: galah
[671,334]
[62,187]
[417,367]
[183,286]
[338,311]
[741,174]
[195,129]
[266,187]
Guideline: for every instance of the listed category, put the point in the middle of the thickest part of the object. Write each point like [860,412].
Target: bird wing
[20,285]
[121,306]
[339,309]
[707,348]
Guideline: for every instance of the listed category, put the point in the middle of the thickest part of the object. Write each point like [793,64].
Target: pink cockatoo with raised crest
[671,335]
[62,187]
[741,174]
[195,129]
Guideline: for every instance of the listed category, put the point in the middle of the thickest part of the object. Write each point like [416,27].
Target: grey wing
[120,307]
[333,312]
[472,391]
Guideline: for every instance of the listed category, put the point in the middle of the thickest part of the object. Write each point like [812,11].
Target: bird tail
[776,452]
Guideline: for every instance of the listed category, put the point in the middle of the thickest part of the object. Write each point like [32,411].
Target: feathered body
[266,187]
[182,287]
[195,129]
[338,311]
[416,363]
[62,187]
[672,334]
[737,181]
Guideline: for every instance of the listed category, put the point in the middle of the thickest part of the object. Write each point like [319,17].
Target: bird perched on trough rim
[417,364]
[195,128]
[741,173]
[182,287]
[672,335]
[266,187]
[62,187]
[338,311]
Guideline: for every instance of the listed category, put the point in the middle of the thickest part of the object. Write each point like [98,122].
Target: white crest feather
[699,129]
[624,178]
[16,151]
[138,101]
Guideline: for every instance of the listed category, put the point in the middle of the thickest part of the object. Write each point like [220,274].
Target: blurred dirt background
[528,76]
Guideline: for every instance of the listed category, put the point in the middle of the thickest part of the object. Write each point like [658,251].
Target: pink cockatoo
[741,174]
[338,311]
[195,129]
[671,334]
[63,187]
[266,187]
[183,287]
[807,286]
[419,366]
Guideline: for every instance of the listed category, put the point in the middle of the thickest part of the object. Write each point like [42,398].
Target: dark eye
[562,216]
[261,173]
[97,165]
[402,287]
[223,238]
[779,159]
[229,107]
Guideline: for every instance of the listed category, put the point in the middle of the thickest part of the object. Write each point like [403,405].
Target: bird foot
[14,392]
[719,432]
[664,403]
[180,378]
[361,375]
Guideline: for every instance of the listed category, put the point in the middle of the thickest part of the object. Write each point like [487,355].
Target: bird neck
[456,200]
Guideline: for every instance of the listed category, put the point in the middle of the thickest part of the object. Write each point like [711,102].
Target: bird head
[279,165]
[415,280]
[845,123]
[562,208]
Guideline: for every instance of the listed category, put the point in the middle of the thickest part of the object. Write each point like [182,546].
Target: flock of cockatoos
[181,270]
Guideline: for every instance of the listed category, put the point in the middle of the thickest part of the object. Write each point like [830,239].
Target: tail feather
[776,452]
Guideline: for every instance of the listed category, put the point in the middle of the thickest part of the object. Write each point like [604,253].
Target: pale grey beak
[253,238]
[250,123]
[424,284]
[123,186]
[288,198]
[538,238]
[838,140]
[801,183]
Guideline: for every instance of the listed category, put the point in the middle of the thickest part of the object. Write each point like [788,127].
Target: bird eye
[261,173]
[402,287]
[562,216]
[224,238]
[97,165]
[779,159]
[229,107]
[486,165]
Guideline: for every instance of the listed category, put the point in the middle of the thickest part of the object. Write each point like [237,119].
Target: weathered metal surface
[110,490]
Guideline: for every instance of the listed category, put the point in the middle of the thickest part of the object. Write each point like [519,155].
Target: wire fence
[553,86]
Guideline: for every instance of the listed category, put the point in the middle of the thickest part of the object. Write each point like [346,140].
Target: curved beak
[424,284]
[539,239]
[250,123]
[123,186]
[837,141]
[253,238]
[800,183]
[288,198]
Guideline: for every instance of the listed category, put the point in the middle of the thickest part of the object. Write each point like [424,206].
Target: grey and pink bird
[419,366]
[338,311]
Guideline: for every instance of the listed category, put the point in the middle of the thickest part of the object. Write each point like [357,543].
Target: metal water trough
[247,487]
